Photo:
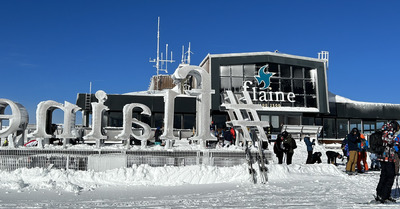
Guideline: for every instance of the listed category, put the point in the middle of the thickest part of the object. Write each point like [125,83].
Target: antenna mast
[186,55]
[159,62]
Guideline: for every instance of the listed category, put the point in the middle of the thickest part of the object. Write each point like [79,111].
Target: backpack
[376,143]
[362,146]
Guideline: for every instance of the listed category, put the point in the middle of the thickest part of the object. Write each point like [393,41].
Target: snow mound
[76,181]
[285,172]
[144,175]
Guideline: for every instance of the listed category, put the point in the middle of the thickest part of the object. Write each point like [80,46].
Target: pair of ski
[377,200]
[260,162]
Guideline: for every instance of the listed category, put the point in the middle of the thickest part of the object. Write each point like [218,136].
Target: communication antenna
[324,55]
[160,61]
[186,55]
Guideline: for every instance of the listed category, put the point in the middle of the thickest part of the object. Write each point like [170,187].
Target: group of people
[355,147]
[225,137]
[284,147]
[384,146]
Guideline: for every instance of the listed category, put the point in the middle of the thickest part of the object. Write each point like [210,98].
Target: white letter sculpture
[203,96]
[236,109]
[169,106]
[127,124]
[18,120]
[98,110]
[41,120]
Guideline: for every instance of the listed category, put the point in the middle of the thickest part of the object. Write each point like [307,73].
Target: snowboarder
[289,144]
[332,157]
[309,145]
[353,138]
[278,148]
[389,160]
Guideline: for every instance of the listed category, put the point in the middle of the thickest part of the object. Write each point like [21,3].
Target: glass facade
[287,78]
[344,126]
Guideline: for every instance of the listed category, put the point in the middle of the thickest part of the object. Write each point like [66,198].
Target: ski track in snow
[294,186]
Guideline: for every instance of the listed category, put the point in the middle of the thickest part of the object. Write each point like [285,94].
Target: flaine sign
[259,94]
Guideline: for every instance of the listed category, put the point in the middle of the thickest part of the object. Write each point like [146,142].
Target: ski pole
[397,190]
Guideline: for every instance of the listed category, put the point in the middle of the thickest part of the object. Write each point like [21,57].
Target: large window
[307,121]
[232,76]
[368,127]
[342,127]
[189,121]
[379,124]
[287,78]
[178,121]
[329,128]
[355,123]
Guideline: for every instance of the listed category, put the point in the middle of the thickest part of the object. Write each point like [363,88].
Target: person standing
[353,138]
[233,134]
[278,148]
[389,160]
[289,144]
[362,155]
[310,147]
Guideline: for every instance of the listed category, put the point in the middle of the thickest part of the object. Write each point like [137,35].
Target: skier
[353,138]
[332,157]
[389,160]
[362,155]
[309,145]
[278,148]
[289,144]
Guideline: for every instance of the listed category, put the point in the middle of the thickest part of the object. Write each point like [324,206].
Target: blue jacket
[309,143]
[353,141]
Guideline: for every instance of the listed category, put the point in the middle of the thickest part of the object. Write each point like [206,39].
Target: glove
[396,148]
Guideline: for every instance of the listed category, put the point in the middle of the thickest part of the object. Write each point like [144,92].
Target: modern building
[295,93]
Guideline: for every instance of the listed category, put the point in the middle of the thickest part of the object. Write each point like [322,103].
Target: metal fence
[99,160]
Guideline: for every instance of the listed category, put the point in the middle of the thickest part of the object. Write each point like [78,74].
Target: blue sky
[52,50]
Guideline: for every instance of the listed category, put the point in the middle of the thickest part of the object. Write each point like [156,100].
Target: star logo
[264,77]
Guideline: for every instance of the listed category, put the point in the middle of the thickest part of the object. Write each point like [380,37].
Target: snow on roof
[153,93]
[339,99]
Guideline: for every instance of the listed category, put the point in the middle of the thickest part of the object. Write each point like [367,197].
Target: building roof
[261,54]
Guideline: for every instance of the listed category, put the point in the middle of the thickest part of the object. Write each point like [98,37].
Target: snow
[339,99]
[298,185]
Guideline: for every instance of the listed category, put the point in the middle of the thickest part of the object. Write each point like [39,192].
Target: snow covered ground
[294,186]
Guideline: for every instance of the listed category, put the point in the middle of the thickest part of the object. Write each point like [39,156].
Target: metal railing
[12,159]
